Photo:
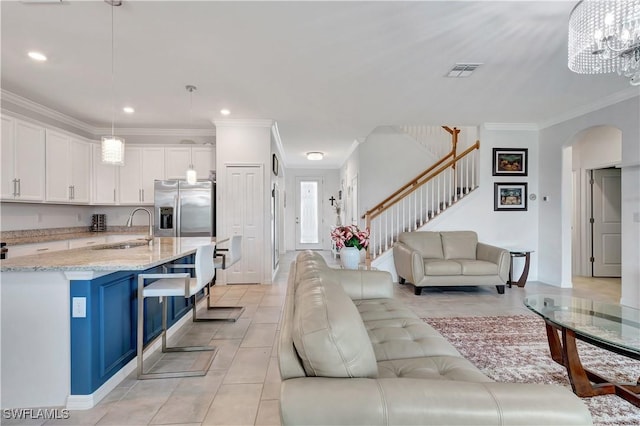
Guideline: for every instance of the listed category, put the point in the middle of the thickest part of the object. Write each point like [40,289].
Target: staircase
[425,197]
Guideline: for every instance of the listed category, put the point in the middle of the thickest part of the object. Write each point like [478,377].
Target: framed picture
[510,162]
[274,164]
[510,196]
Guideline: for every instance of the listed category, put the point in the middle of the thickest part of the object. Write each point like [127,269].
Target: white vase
[349,257]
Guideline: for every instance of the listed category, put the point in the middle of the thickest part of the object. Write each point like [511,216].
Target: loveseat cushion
[433,367]
[441,267]
[459,244]
[329,334]
[477,267]
[428,244]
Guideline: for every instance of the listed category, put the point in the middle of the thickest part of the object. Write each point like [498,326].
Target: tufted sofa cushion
[459,244]
[329,334]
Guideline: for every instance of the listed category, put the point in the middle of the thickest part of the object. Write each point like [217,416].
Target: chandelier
[604,37]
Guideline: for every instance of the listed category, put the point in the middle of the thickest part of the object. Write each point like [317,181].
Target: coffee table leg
[578,376]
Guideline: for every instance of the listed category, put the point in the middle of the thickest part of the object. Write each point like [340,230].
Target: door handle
[297,220]
[70,192]
[19,188]
[142,199]
[15,187]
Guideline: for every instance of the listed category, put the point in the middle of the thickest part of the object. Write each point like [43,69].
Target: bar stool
[174,285]
[224,259]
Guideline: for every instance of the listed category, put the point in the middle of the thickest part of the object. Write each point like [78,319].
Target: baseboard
[86,402]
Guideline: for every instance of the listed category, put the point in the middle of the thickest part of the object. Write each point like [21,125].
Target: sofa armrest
[409,263]
[496,255]
[404,401]
[364,284]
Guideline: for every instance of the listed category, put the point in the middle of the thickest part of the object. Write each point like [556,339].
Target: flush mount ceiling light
[225,111]
[129,110]
[37,56]
[315,155]
[604,37]
[192,176]
[112,146]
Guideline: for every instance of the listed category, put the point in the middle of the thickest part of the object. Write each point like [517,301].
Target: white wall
[330,186]
[555,182]
[245,142]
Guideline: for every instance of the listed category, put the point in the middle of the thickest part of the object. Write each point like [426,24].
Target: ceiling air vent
[462,70]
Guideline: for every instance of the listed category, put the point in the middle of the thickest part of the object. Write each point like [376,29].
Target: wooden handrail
[413,182]
[380,208]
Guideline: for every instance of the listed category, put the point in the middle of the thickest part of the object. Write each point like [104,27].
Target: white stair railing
[422,199]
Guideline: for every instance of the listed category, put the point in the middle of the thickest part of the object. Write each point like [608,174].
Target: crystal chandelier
[604,37]
[112,146]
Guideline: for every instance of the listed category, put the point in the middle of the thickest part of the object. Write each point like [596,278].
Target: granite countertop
[141,257]
[31,236]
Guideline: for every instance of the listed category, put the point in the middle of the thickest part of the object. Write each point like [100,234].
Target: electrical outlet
[79,307]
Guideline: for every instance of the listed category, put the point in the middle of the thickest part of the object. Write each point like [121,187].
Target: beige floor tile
[267,314]
[227,349]
[184,408]
[271,391]
[233,330]
[259,335]
[268,413]
[234,405]
[138,411]
[249,366]
[80,417]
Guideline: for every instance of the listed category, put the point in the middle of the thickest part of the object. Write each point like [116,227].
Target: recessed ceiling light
[129,110]
[37,56]
[315,156]
[225,111]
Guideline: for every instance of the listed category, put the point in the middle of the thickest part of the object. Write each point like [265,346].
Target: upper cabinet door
[130,176]
[29,161]
[58,166]
[202,160]
[80,154]
[8,185]
[152,169]
[177,161]
[105,179]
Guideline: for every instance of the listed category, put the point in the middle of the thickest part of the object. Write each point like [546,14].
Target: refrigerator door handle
[177,219]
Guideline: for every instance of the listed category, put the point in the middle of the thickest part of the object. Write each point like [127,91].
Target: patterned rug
[515,349]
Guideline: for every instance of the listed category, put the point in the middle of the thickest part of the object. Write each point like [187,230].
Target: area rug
[515,349]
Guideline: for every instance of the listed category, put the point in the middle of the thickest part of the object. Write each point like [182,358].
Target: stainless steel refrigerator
[183,209]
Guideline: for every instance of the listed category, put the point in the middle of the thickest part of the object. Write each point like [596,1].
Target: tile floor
[243,383]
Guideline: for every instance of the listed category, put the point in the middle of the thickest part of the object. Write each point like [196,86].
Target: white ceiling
[327,72]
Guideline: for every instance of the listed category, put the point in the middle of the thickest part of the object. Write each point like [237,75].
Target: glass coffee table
[613,327]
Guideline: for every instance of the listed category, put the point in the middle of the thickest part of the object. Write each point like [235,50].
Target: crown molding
[612,99]
[45,111]
[232,122]
[137,131]
[526,127]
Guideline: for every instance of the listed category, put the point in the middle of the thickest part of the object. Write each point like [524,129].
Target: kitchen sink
[122,246]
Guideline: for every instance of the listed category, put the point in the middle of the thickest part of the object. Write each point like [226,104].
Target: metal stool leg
[234,312]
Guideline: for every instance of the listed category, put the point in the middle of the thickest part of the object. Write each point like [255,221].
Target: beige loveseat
[452,258]
[350,354]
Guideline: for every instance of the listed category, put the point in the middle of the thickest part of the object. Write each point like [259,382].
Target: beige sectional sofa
[453,258]
[351,354]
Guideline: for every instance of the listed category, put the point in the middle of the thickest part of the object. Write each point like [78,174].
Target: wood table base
[584,382]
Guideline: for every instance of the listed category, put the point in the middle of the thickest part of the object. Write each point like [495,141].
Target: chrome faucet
[130,221]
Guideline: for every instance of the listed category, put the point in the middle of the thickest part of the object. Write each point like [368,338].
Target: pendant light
[112,146]
[192,176]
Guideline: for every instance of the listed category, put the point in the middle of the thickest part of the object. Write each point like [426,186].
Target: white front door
[308,217]
[244,215]
[607,230]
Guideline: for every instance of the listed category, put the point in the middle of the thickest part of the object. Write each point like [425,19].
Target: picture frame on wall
[510,161]
[275,165]
[510,196]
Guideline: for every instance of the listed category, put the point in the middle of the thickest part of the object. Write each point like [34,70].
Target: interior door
[244,215]
[308,217]
[606,230]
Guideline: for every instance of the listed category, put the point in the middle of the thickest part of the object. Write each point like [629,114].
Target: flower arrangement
[350,236]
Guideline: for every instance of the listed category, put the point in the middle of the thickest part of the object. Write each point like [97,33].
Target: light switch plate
[79,307]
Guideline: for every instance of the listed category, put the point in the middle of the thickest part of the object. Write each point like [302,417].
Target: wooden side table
[525,272]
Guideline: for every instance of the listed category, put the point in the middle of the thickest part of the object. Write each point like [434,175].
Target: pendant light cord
[113,90]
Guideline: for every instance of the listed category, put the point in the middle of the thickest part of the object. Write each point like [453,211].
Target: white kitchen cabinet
[87,242]
[67,168]
[179,159]
[23,160]
[142,165]
[36,248]
[105,179]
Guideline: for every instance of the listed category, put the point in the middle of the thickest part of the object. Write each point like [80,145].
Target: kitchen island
[69,319]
